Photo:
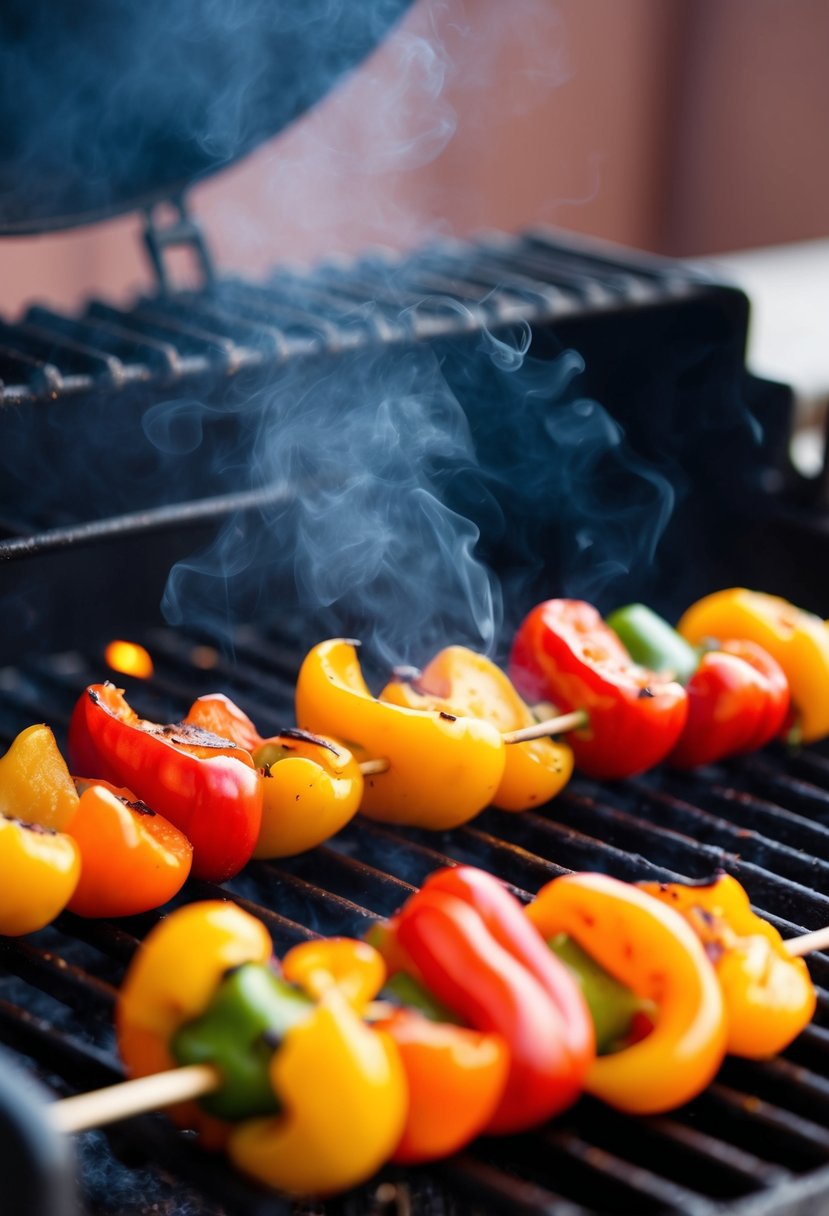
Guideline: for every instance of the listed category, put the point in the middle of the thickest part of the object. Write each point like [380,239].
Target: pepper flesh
[462,682]
[204,785]
[564,653]
[35,785]
[798,640]
[456,1078]
[453,953]
[738,701]
[442,770]
[132,859]
[312,786]
[769,996]
[651,950]
[39,870]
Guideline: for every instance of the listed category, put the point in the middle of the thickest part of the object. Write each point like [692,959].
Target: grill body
[663,355]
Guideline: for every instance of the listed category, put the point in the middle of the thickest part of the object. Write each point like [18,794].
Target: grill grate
[757,1140]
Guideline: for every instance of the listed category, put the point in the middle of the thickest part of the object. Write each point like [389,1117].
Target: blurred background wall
[685,127]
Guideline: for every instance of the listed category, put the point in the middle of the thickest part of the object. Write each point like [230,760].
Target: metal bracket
[182,232]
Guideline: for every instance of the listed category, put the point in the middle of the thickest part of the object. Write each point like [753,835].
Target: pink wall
[685,126]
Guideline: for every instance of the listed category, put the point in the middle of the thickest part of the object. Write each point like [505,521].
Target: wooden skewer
[807,943]
[369,768]
[136,1097]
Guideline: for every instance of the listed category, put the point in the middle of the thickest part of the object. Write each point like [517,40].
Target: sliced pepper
[35,785]
[798,640]
[39,870]
[312,786]
[455,1077]
[454,954]
[650,949]
[769,996]
[443,769]
[564,653]
[738,701]
[207,786]
[653,643]
[462,682]
[132,859]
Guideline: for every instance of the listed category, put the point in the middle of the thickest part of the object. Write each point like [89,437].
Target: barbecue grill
[540,342]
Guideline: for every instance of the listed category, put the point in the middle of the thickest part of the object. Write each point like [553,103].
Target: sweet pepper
[442,768]
[39,870]
[769,996]
[462,682]
[651,950]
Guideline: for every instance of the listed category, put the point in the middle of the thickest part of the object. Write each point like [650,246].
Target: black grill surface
[757,1141]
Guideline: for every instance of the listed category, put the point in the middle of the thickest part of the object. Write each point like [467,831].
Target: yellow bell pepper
[462,682]
[651,950]
[35,784]
[443,769]
[355,967]
[769,996]
[39,871]
[798,640]
[343,1093]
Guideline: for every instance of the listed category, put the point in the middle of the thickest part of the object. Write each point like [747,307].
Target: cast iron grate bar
[592,1160]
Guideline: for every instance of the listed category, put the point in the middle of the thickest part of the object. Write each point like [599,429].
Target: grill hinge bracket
[181,232]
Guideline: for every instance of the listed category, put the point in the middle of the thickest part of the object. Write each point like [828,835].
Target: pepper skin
[798,641]
[172,979]
[456,1078]
[458,959]
[38,872]
[311,787]
[564,653]
[651,949]
[769,996]
[206,786]
[341,1084]
[653,643]
[132,859]
[465,683]
[738,701]
[35,785]
[442,770]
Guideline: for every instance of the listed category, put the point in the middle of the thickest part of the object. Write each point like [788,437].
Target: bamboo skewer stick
[807,943]
[102,1106]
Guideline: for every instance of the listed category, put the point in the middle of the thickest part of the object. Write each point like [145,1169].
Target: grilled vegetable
[493,974]
[565,653]
[35,785]
[333,1089]
[312,786]
[461,682]
[38,872]
[798,641]
[653,643]
[769,996]
[132,859]
[443,769]
[651,950]
[207,786]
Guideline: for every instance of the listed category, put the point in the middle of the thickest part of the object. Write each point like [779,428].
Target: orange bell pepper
[462,682]
[456,1078]
[312,786]
[132,859]
[652,950]
[798,640]
[769,996]
[38,872]
[443,768]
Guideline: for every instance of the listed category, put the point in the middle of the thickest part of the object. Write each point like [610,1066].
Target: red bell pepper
[207,786]
[738,700]
[565,653]
[452,951]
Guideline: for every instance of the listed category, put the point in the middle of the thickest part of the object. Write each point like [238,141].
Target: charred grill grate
[757,1141]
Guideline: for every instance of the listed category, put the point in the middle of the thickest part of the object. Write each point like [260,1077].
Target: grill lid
[110,105]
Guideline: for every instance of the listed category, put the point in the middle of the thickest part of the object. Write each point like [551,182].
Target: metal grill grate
[757,1141]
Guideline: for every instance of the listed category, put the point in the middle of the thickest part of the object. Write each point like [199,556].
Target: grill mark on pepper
[304,736]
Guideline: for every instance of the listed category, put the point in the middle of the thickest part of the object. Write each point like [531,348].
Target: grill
[662,350]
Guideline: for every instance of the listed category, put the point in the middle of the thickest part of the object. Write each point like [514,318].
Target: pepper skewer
[136,1097]
[808,943]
